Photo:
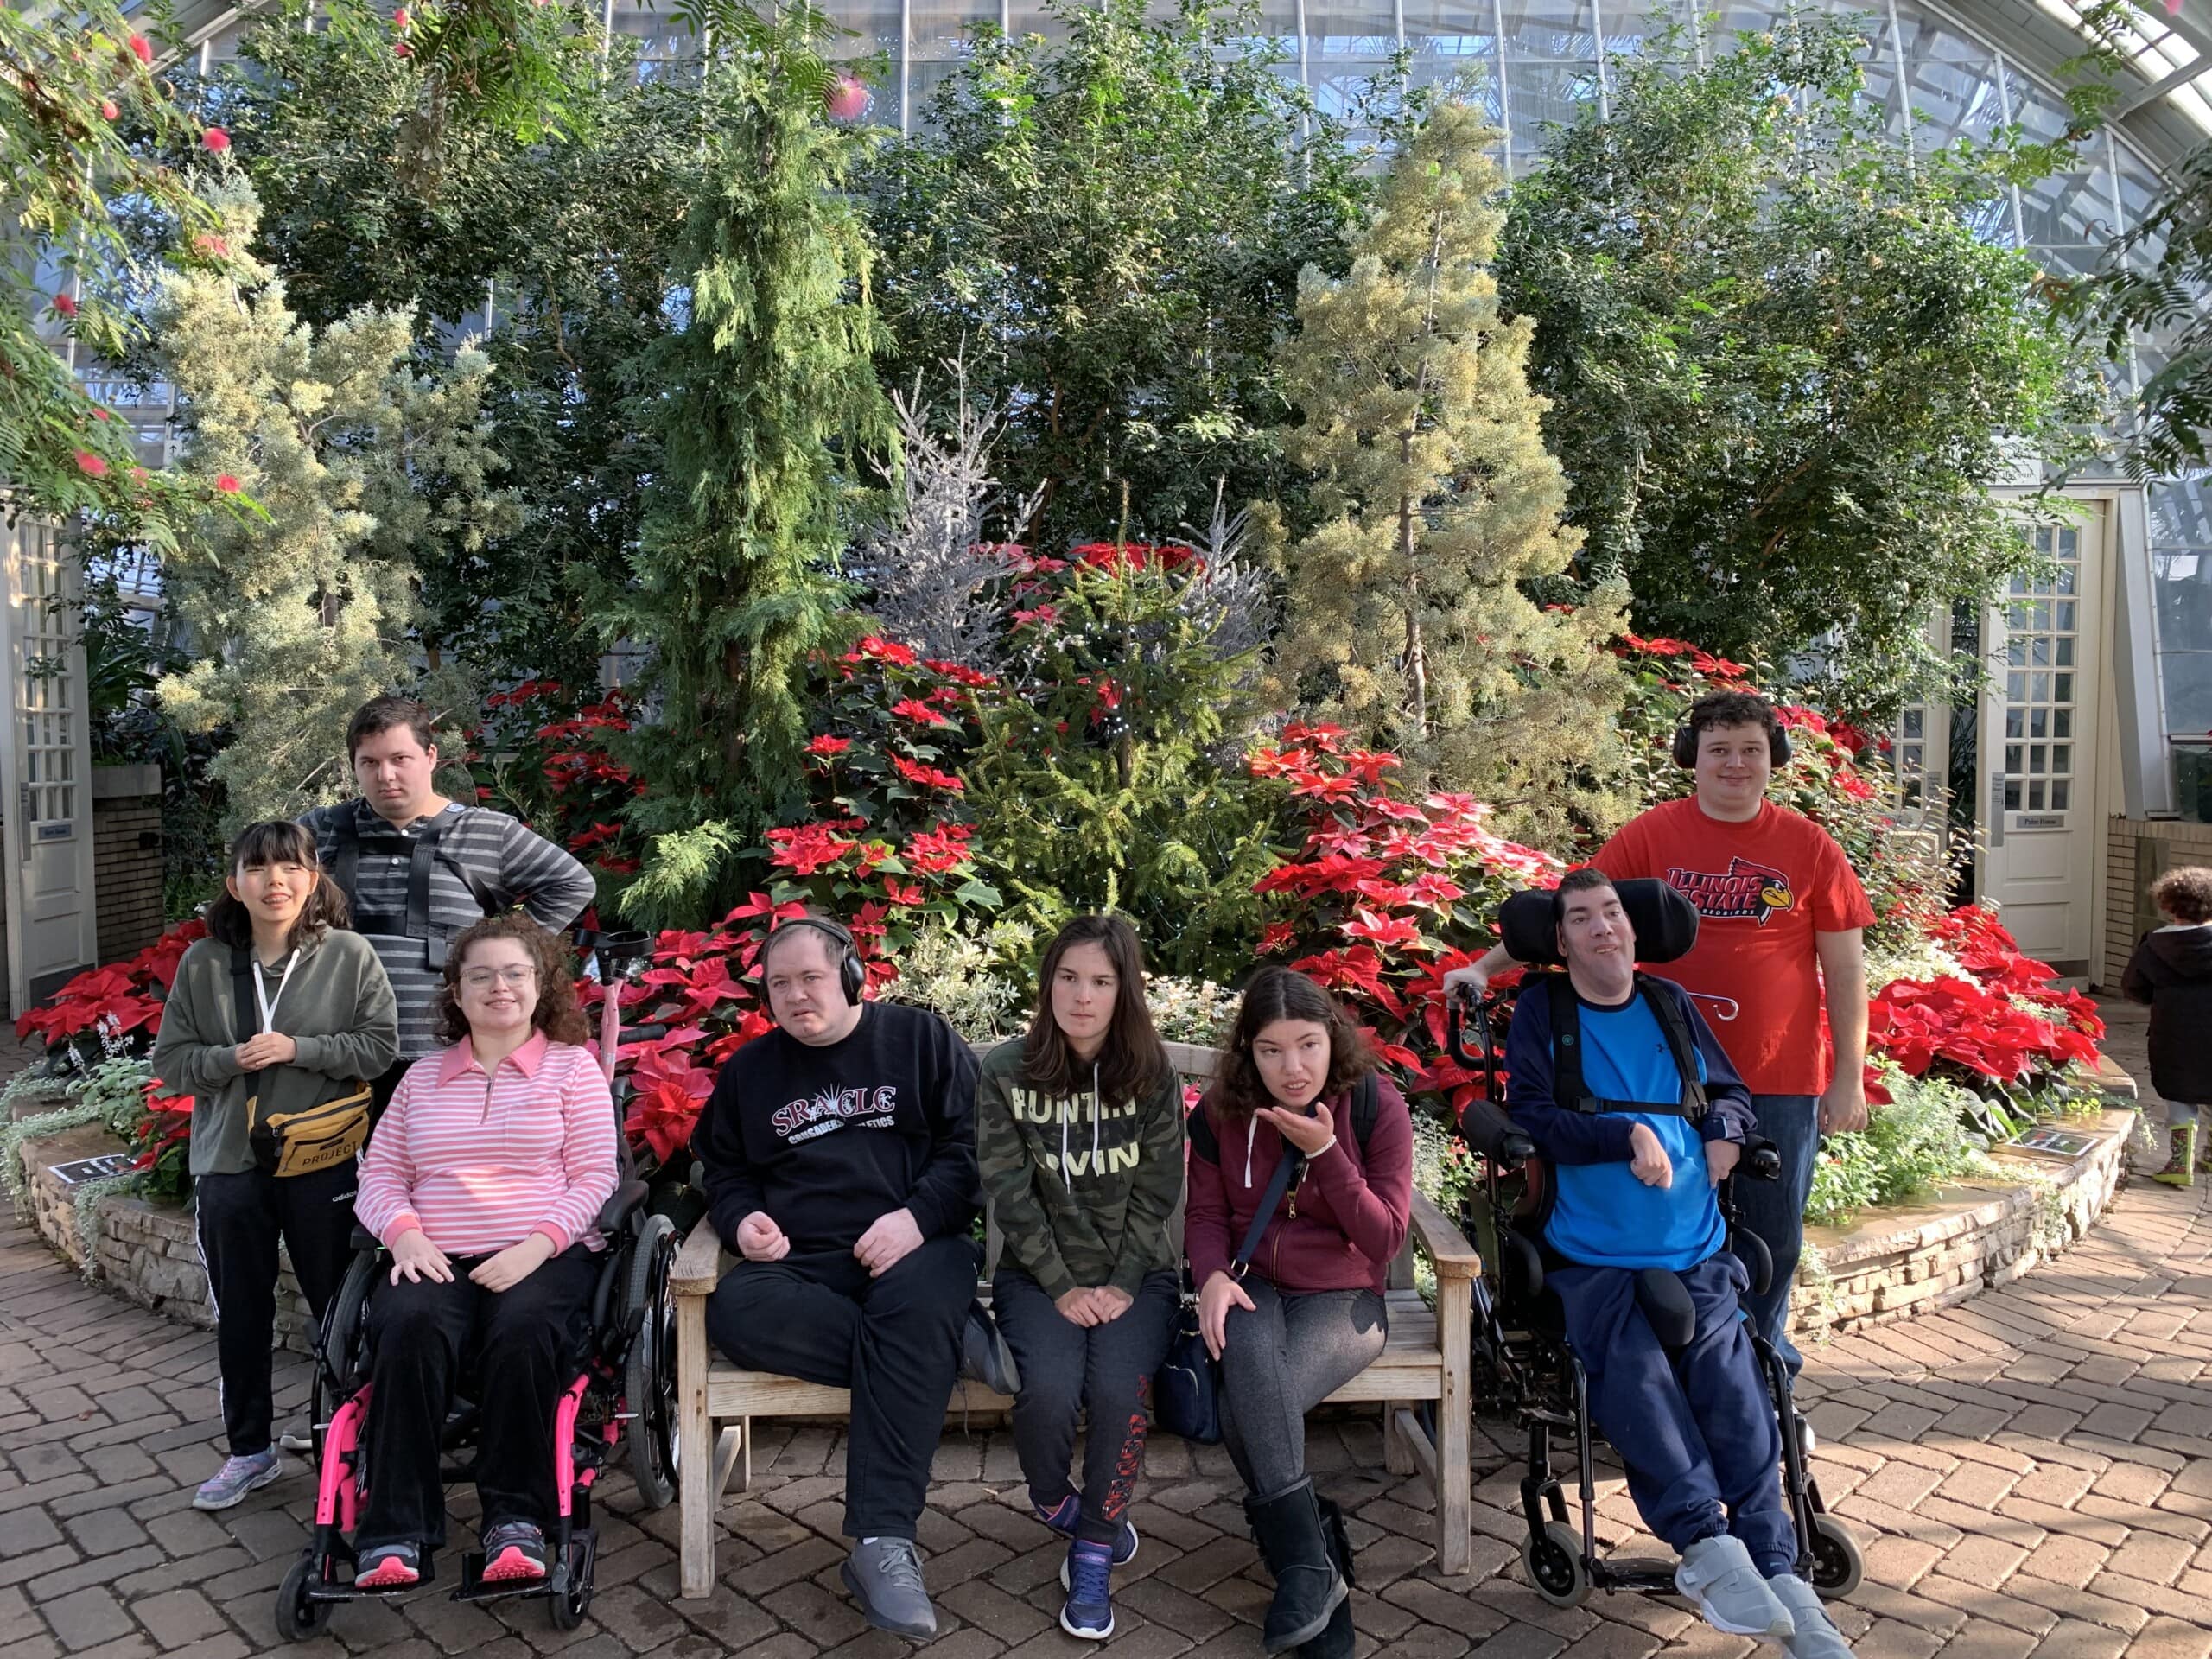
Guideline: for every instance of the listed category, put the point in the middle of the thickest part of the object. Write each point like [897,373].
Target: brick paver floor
[2031,1473]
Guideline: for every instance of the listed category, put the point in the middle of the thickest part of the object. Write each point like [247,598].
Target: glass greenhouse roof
[2174,55]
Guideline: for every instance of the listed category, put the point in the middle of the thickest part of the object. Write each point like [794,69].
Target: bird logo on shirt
[1745,891]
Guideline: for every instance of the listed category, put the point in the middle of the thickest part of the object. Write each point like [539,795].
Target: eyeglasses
[517,975]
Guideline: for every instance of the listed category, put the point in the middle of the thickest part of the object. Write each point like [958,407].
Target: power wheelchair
[1524,1369]
[621,1401]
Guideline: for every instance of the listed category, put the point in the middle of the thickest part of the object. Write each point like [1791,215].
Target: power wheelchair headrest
[1665,923]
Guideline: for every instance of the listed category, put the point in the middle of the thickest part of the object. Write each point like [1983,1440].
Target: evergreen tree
[1410,622]
[367,471]
[766,406]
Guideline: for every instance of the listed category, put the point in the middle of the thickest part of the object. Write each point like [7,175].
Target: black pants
[1065,1367]
[241,1217]
[893,1341]
[521,1343]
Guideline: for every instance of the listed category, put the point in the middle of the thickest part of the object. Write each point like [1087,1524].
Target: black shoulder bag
[1186,1388]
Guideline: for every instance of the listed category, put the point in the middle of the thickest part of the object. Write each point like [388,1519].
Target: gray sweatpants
[1279,1361]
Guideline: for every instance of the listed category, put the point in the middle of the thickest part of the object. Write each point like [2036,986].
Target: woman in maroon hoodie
[1308,1315]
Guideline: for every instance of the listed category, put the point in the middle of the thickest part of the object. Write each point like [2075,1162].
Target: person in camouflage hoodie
[1079,1132]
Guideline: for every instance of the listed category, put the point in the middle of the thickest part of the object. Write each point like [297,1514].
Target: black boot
[1335,1642]
[1294,1545]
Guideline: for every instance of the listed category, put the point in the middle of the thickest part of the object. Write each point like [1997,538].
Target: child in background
[2172,971]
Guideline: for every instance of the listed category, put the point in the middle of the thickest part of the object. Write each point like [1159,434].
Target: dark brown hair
[1582,879]
[2185,894]
[1133,1061]
[556,1014]
[1279,993]
[276,840]
[380,715]
[1732,708]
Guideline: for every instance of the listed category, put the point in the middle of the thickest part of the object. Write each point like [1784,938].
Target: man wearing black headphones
[839,1157]
[1780,916]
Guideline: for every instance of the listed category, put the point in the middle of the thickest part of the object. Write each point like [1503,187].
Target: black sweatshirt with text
[826,1141]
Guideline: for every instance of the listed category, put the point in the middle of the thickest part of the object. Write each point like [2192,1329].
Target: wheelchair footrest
[584,1550]
[1633,1573]
[428,1564]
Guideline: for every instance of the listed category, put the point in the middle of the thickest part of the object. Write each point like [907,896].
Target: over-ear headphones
[852,972]
[1777,745]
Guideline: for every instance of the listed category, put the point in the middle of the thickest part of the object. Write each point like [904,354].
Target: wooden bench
[1426,1358]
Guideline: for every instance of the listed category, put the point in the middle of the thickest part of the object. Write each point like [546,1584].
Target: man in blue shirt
[1633,1191]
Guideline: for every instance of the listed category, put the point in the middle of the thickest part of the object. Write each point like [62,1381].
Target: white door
[2039,748]
[45,766]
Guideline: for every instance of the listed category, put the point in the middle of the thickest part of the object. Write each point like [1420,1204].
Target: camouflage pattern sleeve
[1010,1188]
[1146,1246]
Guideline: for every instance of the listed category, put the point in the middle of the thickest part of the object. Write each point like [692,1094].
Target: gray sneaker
[1817,1635]
[1718,1575]
[238,1475]
[885,1575]
[297,1437]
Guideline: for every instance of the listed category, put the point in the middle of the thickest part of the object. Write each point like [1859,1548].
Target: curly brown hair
[2185,894]
[1280,993]
[556,1014]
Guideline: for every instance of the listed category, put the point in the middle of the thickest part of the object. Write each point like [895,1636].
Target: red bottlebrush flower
[827,745]
[399,18]
[917,711]
[64,306]
[928,777]
[227,483]
[214,141]
[401,49]
[108,111]
[91,465]
[846,99]
[142,48]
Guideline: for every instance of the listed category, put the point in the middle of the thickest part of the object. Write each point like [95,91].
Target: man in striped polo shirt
[418,867]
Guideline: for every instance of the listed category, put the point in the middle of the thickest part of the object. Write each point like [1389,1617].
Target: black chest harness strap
[1567,1087]
[421,852]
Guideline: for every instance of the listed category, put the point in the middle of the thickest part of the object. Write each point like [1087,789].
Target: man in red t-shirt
[1781,915]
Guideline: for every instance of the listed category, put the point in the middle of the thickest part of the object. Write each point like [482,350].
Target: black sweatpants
[1065,1367]
[521,1343]
[893,1341]
[241,1217]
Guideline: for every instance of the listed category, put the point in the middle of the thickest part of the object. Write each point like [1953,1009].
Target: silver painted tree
[1411,620]
[366,470]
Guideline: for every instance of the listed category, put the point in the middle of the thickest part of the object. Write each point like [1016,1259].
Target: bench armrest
[1445,1246]
[698,1267]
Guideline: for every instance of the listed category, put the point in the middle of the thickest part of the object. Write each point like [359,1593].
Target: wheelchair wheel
[649,1376]
[1553,1564]
[340,1342]
[298,1615]
[569,1601]
[1837,1564]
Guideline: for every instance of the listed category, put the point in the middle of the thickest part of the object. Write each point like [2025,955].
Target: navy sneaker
[1088,1612]
[1064,1520]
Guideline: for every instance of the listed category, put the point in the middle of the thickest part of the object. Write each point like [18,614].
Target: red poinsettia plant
[1387,895]
[119,1003]
[544,753]
[2007,1026]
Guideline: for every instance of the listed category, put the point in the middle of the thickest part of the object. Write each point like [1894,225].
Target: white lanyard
[261,990]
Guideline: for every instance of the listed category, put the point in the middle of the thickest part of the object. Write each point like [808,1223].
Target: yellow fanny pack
[314,1138]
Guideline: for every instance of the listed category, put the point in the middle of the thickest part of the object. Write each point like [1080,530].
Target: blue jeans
[1776,1211]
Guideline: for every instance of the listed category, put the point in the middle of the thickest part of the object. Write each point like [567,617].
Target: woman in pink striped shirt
[485,1181]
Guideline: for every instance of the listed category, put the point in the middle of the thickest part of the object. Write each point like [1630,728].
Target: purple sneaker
[228,1485]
